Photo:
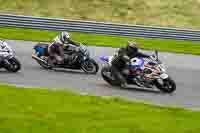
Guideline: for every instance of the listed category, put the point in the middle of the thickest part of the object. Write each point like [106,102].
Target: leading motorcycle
[9,62]
[82,61]
[152,73]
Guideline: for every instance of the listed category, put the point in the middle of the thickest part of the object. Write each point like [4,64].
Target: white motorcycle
[9,62]
[152,73]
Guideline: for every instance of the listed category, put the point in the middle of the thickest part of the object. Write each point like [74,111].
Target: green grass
[44,111]
[173,13]
[187,47]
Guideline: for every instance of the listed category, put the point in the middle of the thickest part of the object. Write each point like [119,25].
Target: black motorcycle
[82,59]
[9,62]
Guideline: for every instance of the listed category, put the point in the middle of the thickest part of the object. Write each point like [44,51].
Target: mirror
[156,53]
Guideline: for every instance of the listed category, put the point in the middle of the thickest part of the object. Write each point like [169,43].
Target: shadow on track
[61,70]
[7,72]
[70,71]
[134,89]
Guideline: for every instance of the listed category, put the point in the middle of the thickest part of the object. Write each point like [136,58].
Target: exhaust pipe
[38,59]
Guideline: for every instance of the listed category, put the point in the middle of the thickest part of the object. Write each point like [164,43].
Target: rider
[5,48]
[56,49]
[122,57]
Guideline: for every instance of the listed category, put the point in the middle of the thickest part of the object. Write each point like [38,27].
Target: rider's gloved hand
[153,57]
[77,49]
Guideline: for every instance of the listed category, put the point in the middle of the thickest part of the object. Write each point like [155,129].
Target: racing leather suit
[5,49]
[56,50]
[119,61]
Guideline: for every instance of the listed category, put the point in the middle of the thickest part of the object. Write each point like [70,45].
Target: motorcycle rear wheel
[44,65]
[41,62]
[106,75]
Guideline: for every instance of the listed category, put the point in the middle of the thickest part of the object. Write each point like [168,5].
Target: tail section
[104,58]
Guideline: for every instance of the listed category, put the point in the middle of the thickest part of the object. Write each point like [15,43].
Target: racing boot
[124,85]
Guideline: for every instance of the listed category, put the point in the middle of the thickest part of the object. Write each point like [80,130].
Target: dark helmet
[132,46]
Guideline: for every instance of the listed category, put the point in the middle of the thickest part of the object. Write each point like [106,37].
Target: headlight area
[87,53]
[162,68]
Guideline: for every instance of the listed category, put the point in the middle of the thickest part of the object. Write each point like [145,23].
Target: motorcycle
[82,61]
[152,73]
[9,62]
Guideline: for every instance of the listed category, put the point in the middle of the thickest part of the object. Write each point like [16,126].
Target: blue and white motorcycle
[151,72]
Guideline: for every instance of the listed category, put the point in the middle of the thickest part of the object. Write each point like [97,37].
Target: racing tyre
[107,76]
[90,66]
[41,62]
[168,86]
[14,66]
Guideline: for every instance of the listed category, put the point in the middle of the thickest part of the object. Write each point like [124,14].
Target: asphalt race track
[184,69]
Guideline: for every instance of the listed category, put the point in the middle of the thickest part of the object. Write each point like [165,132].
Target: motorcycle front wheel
[90,66]
[14,66]
[168,86]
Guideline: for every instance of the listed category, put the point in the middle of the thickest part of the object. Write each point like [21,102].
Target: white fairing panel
[110,60]
[135,62]
[164,76]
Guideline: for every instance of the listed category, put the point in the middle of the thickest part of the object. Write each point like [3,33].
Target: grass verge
[173,13]
[44,111]
[187,47]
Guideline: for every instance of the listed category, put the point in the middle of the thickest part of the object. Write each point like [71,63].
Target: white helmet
[3,44]
[64,36]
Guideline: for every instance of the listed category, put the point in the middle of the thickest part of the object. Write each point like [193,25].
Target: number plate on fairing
[164,76]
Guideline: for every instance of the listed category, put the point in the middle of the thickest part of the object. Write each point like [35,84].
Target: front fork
[6,61]
[160,79]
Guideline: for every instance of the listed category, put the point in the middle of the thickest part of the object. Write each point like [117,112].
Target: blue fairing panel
[40,51]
